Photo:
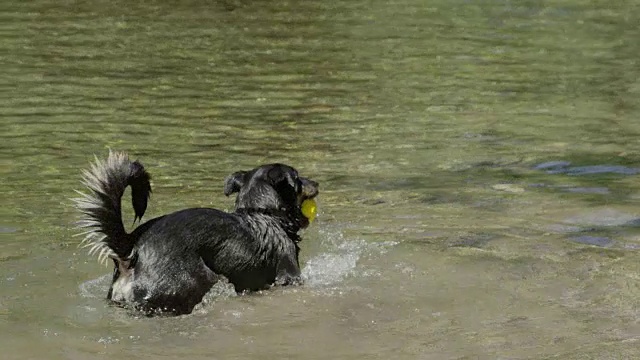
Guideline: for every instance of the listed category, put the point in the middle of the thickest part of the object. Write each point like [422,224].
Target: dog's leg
[116,274]
[288,271]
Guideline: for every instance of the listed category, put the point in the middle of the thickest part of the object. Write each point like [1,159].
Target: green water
[422,121]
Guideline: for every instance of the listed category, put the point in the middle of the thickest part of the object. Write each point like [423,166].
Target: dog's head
[274,187]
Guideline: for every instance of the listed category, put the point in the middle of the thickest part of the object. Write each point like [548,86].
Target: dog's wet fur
[167,264]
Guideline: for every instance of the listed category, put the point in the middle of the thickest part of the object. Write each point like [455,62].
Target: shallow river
[479,166]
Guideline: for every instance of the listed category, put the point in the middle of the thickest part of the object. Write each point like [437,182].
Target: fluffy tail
[101,213]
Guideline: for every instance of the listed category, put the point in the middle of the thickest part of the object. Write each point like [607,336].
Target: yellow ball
[309,209]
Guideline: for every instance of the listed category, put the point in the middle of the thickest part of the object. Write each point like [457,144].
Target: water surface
[478,164]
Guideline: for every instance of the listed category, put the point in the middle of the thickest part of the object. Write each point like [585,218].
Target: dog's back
[177,258]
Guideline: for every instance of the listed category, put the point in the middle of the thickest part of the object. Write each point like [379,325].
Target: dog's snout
[309,188]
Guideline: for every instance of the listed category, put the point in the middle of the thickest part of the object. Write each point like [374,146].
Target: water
[478,164]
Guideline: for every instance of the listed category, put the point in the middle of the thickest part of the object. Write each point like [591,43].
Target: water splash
[96,288]
[340,258]
[219,291]
[327,269]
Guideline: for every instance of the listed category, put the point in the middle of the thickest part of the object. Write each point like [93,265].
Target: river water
[479,168]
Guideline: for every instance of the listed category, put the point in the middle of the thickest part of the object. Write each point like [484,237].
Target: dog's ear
[280,175]
[276,175]
[234,182]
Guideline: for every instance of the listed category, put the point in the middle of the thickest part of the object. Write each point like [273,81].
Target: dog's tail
[105,234]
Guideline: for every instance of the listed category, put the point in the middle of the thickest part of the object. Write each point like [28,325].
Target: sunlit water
[478,161]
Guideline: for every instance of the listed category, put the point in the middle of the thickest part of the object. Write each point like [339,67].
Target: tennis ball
[309,209]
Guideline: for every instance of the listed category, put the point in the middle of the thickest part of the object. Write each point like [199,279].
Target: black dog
[168,264]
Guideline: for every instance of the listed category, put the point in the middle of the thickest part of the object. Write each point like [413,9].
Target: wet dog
[168,264]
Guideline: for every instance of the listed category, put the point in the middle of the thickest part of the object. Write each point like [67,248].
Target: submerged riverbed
[478,161]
